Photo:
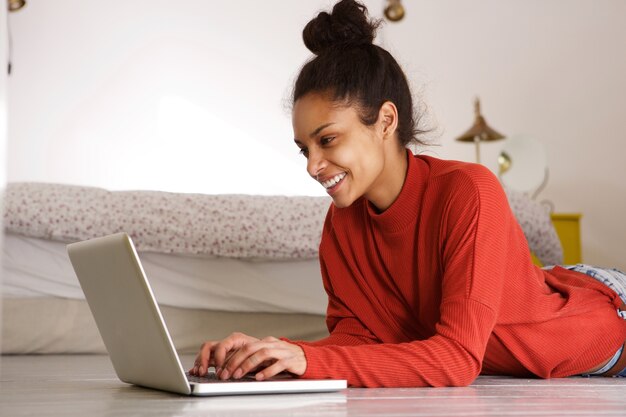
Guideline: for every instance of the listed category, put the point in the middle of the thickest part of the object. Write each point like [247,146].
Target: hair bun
[346,25]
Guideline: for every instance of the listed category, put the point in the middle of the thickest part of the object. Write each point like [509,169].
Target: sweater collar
[407,206]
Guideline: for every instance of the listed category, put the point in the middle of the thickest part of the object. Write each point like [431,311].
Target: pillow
[535,221]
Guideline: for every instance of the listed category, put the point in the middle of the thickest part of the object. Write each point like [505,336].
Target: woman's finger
[201,364]
[237,357]
[224,349]
[270,371]
[254,361]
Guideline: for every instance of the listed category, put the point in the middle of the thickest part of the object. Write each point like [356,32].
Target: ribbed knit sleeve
[450,358]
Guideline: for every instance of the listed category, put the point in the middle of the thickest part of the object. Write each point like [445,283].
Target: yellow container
[567,226]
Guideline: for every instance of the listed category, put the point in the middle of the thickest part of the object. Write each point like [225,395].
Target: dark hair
[352,70]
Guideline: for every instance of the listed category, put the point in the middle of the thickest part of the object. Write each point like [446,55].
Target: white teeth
[334,180]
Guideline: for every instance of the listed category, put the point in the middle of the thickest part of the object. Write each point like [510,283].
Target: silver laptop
[134,332]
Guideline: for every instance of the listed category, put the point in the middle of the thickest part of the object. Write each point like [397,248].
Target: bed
[217,263]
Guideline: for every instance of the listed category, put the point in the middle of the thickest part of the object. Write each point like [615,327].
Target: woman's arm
[452,357]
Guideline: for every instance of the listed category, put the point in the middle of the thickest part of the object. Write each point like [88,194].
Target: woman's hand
[267,357]
[215,352]
[239,354]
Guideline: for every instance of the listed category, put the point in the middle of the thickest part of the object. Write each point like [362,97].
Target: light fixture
[12,6]
[479,132]
[523,165]
[504,163]
[394,10]
[15,5]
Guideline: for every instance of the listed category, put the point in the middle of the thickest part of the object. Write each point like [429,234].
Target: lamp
[15,5]
[394,10]
[479,132]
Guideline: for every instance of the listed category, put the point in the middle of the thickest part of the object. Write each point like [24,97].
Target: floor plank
[76,385]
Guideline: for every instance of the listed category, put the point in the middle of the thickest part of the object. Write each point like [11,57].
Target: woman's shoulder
[459,188]
[453,168]
[455,175]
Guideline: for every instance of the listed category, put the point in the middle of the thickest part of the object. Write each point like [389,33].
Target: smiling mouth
[333,181]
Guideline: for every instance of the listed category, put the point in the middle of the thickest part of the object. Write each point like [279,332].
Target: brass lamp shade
[480,131]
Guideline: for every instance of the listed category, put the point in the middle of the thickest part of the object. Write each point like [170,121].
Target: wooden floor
[87,386]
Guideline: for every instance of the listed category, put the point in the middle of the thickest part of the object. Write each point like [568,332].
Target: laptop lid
[126,313]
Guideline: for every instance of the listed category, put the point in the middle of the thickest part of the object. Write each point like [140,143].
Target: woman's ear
[388,118]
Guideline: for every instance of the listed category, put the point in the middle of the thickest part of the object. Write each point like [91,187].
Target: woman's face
[345,156]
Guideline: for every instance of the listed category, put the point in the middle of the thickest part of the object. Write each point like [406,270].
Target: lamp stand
[477,143]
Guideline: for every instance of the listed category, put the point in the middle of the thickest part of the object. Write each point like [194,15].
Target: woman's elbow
[464,377]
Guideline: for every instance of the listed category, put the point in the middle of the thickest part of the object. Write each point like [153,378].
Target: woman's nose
[315,163]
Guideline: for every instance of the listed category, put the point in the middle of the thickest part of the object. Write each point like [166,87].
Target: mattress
[53,325]
[35,267]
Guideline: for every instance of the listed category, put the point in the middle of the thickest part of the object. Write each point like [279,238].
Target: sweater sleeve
[344,328]
[476,229]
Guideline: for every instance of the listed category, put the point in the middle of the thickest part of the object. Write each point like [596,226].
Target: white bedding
[232,226]
[34,267]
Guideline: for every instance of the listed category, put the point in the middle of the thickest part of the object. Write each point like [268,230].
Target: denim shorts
[615,280]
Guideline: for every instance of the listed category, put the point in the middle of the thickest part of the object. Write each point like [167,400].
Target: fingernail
[218,370]
[201,370]
[224,374]
[260,377]
[237,374]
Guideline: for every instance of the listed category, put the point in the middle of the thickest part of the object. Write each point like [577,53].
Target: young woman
[428,274]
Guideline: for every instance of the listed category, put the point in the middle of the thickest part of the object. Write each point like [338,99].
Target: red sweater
[440,287]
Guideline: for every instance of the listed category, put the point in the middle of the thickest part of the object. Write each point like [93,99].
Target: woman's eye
[305,152]
[326,140]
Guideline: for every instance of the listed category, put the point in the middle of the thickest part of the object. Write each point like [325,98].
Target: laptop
[135,334]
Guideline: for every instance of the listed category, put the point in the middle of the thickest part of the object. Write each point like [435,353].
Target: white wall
[3,120]
[175,95]
[155,94]
[4,46]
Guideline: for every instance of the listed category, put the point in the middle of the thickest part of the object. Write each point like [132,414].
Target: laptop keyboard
[211,377]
